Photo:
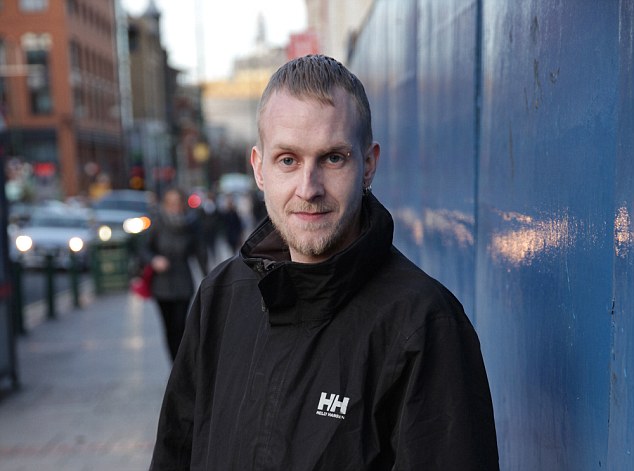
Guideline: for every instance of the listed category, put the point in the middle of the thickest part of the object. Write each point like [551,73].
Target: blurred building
[153,84]
[192,151]
[230,106]
[301,44]
[165,139]
[337,24]
[59,93]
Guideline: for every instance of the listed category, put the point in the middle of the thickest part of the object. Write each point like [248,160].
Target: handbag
[142,285]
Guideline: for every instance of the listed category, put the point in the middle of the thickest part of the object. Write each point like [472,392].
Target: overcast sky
[227,26]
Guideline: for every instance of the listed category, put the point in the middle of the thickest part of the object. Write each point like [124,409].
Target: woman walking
[171,240]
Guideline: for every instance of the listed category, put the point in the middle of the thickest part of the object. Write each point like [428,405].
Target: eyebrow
[338,148]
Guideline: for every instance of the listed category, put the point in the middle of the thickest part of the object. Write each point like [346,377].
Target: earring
[367,190]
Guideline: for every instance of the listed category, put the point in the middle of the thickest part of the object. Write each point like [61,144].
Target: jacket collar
[299,292]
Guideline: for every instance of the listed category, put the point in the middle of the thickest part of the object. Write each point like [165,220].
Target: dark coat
[356,363]
[178,241]
[233,226]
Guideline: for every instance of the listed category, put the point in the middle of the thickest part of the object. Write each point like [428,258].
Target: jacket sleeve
[173,447]
[446,414]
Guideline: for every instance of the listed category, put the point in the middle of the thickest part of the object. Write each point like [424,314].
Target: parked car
[55,230]
[19,213]
[121,213]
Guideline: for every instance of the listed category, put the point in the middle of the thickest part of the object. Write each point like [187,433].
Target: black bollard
[74,278]
[50,286]
[18,299]
[96,256]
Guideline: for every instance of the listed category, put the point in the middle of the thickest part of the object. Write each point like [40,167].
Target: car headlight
[23,243]
[136,225]
[75,244]
[105,233]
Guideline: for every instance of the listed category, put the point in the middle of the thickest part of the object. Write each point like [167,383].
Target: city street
[35,286]
[91,384]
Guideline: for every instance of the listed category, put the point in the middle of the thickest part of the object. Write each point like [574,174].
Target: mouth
[308,216]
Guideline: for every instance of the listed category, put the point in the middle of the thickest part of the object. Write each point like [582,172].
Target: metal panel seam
[476,151]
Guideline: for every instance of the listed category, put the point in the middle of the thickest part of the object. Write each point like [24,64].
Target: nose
[311,184]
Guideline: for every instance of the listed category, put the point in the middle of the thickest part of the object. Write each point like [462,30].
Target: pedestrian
[232,224]
[171,240]
[320,346]
[212,223]
[258,208]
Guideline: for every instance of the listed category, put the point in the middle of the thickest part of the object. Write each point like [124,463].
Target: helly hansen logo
[330,405]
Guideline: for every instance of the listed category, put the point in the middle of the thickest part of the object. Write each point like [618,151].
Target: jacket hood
[300,292]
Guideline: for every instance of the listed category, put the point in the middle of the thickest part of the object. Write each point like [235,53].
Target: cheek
[275,195]
[350,188]
[278,185]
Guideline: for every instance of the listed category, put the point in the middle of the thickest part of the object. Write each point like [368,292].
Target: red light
[45,169]
[194,201]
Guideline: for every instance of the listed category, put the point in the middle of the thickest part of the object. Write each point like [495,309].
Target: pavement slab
[91,383]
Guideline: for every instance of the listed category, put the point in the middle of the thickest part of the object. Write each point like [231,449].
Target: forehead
[289,120]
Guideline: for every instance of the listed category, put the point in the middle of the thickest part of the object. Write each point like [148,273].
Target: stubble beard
[314,239]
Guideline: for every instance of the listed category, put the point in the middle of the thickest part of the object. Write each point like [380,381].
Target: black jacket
[177,239]
[362,362]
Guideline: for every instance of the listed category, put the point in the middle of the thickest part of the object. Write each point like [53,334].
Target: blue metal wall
[507,132]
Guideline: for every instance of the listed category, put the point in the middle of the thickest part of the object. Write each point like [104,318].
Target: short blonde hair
[316,77]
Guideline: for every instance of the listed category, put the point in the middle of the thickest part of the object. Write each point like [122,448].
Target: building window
[133,38]
[36,48]
[71,7]
[33,5]
[78,103]
[38,82]
[4,101]
[74,56]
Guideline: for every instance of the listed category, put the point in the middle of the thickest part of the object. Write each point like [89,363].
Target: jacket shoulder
[411,276]
[226,273]
[406,294]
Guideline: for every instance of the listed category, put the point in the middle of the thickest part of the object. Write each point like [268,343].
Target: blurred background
[507,134]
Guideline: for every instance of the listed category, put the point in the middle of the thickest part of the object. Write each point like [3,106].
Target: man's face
[312,169]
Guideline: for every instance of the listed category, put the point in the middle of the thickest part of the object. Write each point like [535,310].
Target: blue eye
[335,158]
[288,161]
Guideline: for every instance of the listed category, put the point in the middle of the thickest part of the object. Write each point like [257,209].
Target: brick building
[59,93]
[154,85]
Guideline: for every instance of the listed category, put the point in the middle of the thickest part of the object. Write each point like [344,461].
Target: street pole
[200,41]
[50,286]
[18,301]
[74,278]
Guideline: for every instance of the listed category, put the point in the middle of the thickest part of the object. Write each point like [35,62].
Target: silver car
[56,230]
[122,213]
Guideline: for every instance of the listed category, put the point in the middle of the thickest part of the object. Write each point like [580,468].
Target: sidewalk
[92,382]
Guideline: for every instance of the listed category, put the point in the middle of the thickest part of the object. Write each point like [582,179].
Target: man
[320,346]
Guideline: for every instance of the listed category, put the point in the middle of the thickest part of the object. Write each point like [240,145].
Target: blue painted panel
[369,63]
[446,91]
[526,197]
[621,432]
[545,214]
[385,60]
[401,157]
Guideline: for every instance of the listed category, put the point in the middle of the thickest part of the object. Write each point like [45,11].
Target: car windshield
[126,205]
[56,221]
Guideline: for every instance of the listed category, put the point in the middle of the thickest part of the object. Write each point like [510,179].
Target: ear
[256,163]
[370,161]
